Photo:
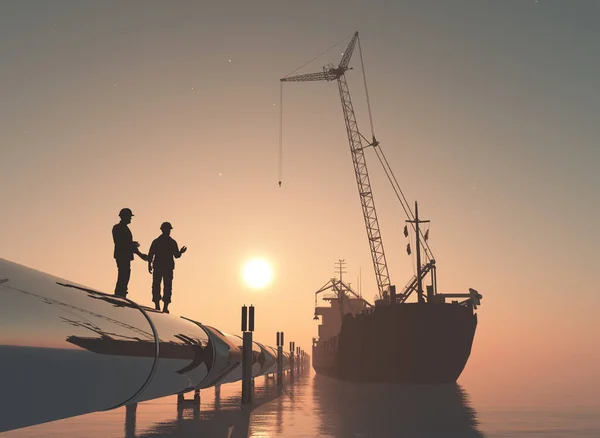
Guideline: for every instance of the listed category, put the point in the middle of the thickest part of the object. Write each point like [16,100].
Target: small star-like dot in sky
[230,61]
[114,85]
[273,104]
[220,174]
[192,88]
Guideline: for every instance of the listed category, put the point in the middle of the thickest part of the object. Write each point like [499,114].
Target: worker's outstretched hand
[144,257]
[183,249]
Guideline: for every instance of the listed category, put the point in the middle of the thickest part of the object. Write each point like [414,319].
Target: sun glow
[257,273]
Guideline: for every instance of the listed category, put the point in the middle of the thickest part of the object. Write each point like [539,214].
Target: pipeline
[68,350]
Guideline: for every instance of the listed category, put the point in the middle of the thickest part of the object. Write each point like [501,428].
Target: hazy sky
[487,111]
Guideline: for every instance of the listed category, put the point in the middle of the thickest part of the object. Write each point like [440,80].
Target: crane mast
[355,140]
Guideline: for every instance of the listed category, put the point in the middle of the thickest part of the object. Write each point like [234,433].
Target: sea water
[318,406]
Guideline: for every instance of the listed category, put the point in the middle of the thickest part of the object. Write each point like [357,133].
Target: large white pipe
[68,350]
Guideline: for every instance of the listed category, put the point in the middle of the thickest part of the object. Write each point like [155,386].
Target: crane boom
[320,76]
[355,140]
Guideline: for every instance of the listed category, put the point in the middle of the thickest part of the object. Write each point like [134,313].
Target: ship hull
[406,343]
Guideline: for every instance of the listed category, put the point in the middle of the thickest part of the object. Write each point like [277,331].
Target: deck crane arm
[355,139]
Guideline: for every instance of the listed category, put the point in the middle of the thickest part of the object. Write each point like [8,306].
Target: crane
[355,138]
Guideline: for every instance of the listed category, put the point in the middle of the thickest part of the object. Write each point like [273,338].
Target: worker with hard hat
[161,263]
[125,248]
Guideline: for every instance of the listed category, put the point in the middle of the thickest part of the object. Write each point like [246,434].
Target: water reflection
[320,406]
[222,417]
[380,410]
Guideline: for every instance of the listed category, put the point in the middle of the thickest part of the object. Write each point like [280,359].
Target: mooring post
[306,364]
[304,361]
[247,329]
[130,417]
[292,361]
[181,400]
[280,360]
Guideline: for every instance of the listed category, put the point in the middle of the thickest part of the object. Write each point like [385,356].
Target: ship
[427,341]
[393,340]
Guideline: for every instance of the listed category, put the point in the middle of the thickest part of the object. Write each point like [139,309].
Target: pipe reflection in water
[319,406]
[222,418]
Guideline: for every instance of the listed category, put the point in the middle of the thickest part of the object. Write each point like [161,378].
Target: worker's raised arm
[177,252]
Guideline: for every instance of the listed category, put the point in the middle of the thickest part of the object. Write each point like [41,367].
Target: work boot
[157,305]
[166,308]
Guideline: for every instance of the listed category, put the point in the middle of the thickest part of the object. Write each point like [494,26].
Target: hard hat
[166,226]
[125,212]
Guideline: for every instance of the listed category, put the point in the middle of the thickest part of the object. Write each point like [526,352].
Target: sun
[257,273]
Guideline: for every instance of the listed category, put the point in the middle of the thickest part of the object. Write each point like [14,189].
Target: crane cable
[280,132]
[318,56]
[405,205]
[386,167]
[362,64]
[396,187]
[281,104]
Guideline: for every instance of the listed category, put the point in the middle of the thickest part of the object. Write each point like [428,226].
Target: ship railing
[473,298]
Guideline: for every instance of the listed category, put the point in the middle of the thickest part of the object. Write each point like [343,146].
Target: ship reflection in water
[384,410]
[317,406]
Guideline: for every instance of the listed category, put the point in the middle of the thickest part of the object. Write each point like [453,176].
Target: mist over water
[317,406]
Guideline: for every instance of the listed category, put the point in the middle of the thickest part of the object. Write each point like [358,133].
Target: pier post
[130,418]
[181,400]
[292,361]
[303,361]
[280,360]
[247,329]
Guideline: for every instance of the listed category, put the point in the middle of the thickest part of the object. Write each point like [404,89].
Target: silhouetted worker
[125,248]
[160,258]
